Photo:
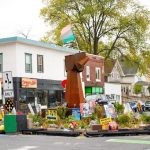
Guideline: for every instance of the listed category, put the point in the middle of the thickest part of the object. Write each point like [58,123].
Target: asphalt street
[36,142]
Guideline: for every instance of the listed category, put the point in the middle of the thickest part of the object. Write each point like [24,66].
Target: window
[98,74]
[40,66]
[1,62]
[28,63]
[87,73]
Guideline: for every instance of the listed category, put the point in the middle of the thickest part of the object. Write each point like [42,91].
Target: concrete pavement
[31,142]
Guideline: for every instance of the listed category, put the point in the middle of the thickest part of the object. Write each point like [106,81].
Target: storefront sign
[52,114]
[29,83]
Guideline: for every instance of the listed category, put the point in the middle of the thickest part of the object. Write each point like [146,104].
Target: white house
[126,76]
[113,76]
[37,68]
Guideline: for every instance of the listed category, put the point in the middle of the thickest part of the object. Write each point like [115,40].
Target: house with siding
[125,75]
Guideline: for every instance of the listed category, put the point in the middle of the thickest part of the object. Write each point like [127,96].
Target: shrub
[124,120]
[38,119]
[100,111]
[145,118]
[119,108]
[61,111]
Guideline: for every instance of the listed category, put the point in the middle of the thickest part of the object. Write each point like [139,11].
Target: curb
[117,133]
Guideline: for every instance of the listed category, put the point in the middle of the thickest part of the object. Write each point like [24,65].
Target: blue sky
[22,16]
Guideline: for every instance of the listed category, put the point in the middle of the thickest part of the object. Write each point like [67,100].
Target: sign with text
[105,121]
[8,94]
[7,80]
[52,114]
[29,83]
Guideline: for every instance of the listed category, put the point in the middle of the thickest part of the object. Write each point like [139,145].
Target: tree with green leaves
[137,88]
[101,27]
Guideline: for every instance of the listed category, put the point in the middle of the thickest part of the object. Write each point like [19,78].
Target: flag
[67,34]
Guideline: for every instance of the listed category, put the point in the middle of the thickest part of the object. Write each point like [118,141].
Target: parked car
[147,105]
[133,106]
[98,98]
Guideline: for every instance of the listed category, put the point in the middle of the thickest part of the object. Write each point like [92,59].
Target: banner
[67,34]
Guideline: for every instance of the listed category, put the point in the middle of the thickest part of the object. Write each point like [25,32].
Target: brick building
[93,75]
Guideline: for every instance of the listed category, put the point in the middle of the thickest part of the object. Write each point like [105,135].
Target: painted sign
[110,111]
[76,113]
[52,114]
[29,83]
[84,109]
[105,121]
[91,106]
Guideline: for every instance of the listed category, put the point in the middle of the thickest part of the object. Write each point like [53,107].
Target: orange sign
[29,83]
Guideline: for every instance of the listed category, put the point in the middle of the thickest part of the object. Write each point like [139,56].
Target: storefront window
[42,97]
[56,97]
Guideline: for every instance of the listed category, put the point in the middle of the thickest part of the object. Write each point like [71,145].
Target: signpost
[8,84]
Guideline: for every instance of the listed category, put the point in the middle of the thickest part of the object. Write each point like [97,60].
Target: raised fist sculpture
[74,65]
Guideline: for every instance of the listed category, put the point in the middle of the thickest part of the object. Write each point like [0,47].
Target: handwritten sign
[105,121]
[52,114]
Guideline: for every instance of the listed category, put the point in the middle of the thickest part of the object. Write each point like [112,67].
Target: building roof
[129,69]
[36,43]
[109,64]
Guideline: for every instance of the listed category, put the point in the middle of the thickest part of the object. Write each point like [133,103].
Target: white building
[37,68]
[126,76]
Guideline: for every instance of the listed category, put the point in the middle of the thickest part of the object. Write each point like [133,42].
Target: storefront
[46,93]
[94,90]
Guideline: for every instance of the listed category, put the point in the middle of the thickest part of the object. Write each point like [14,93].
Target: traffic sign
[9,105]
[7,80]
[8,94]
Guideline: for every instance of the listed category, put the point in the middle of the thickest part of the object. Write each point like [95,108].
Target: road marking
[129,141]
[25,148]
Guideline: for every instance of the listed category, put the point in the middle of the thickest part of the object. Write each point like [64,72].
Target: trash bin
[10,123]
[15,123]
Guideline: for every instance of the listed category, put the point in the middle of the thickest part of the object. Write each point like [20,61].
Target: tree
[137,88]
[105,27]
